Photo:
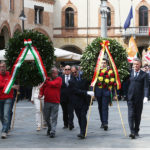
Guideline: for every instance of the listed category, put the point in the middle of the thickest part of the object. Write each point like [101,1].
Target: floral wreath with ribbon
[20,60]
[106,79]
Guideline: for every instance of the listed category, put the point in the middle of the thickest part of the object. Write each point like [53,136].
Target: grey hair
[53,69]
[76,67]
[137,59]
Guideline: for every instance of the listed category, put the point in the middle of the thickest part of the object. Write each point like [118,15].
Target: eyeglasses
[67,69]
[74,72]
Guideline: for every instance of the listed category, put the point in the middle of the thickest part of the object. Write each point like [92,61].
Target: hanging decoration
[20,60]
[106,78]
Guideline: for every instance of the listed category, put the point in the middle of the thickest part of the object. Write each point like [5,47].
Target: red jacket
[51,90]
[3,80]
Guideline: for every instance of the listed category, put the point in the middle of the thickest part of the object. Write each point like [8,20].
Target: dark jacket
[65,94]
[78,92]
[138,87]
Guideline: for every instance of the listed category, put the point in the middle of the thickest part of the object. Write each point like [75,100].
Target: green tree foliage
[90,55]
[28,74]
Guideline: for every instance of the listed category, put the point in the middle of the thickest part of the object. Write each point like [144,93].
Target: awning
[61,55]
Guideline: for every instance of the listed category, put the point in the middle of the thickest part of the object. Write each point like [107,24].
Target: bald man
[67,107]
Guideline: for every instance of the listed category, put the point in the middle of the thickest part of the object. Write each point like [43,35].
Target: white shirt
[67,76]
[138,72]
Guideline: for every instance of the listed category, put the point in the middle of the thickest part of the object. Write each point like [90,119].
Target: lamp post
[22,16]
[103,11]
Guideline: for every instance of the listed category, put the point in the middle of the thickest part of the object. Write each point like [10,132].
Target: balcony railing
[95,31]
[137,31]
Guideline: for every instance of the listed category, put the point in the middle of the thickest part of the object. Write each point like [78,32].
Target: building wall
[88,28]
[47,25]
[10,22]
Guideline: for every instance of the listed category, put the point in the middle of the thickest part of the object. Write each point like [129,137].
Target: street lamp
[104,12]
[22,16]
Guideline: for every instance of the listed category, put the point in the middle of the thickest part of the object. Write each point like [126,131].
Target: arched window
[109,17]
[11,5]
[143,16]
[69,17]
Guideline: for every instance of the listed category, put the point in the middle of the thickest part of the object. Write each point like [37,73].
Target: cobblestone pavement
[24,134]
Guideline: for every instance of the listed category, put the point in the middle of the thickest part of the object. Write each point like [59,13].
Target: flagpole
[133,19]
[89,113]
[123,126]
[133,13]
[14,112]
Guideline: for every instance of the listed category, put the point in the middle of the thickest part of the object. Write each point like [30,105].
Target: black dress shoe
[136,134]
[52,135]
[82,136]
[105,127]
[65,127]
[71,127]
[48,132]
[79,135]
[132,136]
[102,126]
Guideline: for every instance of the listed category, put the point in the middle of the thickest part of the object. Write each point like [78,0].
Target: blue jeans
[11,112]
[5,106]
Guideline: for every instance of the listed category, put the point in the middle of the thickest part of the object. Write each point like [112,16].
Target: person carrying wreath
[103,95]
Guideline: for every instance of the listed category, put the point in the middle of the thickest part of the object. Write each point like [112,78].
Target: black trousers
[103,107]
[134,115]
[68,113]
[81,113]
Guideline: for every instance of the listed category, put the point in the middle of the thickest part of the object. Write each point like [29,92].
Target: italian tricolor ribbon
[20,60]
[99,62]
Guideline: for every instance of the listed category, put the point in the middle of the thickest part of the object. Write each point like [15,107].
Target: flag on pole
[132,50]
[128,20]
[147,56]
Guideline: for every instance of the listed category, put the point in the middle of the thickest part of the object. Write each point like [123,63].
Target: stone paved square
[24,134]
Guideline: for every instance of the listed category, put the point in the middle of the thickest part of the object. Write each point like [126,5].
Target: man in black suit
[68,111]
[137,92]
[80,99]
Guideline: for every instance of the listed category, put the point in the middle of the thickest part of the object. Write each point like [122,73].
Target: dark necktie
[136,75]
[77,78]
[67,83]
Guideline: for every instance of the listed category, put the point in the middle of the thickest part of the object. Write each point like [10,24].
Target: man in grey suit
[137,92]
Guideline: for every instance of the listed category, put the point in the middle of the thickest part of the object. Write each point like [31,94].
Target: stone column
[103,12]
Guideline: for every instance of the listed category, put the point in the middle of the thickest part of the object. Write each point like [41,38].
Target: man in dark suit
[68,111]
[103,96]
[137,92]
[80,99]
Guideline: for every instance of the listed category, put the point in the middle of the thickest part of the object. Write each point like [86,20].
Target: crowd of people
[68,88]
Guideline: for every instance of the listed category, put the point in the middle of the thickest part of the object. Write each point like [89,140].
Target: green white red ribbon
[39,62]
[20,60]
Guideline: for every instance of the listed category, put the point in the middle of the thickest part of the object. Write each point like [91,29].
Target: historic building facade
[73,24]
[39,16]
[78,22]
